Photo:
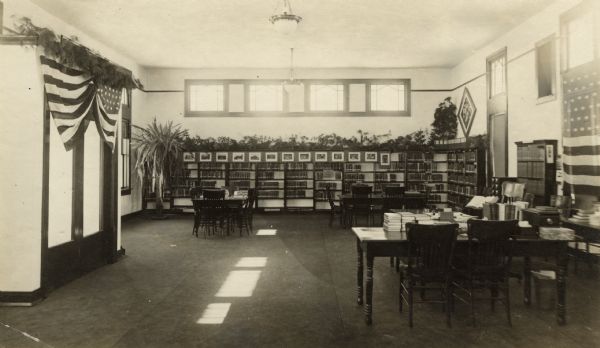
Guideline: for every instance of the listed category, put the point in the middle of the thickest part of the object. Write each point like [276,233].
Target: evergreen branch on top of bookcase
[71,52]
[332,141]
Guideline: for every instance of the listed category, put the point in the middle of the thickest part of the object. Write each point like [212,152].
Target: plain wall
[528,119]
[170,105]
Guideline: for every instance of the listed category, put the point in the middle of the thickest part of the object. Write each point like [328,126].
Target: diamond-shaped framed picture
[466,112]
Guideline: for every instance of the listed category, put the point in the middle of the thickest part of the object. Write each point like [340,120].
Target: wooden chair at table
[361,204]
[195,193]
[429,265]
[249,211]
[333,208]
[487,265]
[213,214]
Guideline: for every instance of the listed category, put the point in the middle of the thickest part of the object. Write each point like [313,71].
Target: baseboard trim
[132,215]
[20,298]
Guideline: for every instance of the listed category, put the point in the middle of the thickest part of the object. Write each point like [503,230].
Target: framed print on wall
[254,156]
[222,156]
[337,156]
[189,157]
[320,156]
[466,112]
[353,156]
[238,157]
[287,157]
[384,159]
[304,156]
[271,156]
[371,156]
[205,156]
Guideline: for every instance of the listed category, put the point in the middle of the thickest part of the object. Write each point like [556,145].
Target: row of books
[298,175]
[354,176]
[531,153]
[418,166]
[329,165]
[460,189]
[537,187]
[328,175]
[299,166]
[462,178]
[352,167]
[296,184]
[298,193]
[241,166]
[426,176]
[269,194]
[241,184]
[269,166]
[212,174]
[268,184]
[269,175]
[240,175]
[210,166]
[531,169]
[323,185]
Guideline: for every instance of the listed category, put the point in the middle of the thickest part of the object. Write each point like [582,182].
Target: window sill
[545,99]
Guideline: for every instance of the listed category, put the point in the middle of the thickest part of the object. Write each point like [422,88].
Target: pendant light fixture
[291,82]
[284,20]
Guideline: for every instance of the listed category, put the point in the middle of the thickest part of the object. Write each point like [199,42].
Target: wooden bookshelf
[536,168]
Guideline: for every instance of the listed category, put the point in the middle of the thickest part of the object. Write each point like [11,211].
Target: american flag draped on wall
[581,129]
[75,100]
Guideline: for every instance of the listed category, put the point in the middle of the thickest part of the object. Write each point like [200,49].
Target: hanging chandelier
[291,81]
[285,21]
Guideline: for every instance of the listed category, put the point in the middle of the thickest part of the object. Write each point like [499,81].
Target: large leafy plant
[157,148]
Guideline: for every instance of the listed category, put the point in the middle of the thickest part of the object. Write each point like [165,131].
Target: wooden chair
[213,214]
[487,266]
[360,204]
[429,265]
[195,193]
[333,208]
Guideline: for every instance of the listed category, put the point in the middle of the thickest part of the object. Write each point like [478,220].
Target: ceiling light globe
[285,24]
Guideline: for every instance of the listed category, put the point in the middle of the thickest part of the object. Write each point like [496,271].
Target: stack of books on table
[581,216]
[392,222]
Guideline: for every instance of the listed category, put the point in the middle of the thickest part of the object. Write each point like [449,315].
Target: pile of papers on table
[557,233]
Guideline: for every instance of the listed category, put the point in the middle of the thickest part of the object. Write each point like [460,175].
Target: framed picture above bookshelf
[189,157]
[205,157]
[254,156]
[271,157]
[222,156]
[320,156]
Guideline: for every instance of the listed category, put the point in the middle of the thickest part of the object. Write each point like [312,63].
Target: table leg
[359,273]
[369,290]
[561,286]
[527,280]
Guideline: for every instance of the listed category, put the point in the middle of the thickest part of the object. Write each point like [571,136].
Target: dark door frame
[86,253]
[493,105]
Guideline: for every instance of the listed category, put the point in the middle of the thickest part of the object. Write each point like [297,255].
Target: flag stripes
[581,129]
[75,100]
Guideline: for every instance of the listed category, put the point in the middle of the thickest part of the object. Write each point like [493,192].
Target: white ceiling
[333,33]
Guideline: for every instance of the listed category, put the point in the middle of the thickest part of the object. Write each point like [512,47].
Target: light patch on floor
[239,284]
[215,313]
[252,262]
[266,232]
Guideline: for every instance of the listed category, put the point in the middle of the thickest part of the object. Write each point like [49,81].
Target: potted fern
[157,149]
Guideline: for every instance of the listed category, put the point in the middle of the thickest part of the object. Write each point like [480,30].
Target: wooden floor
[292,289]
